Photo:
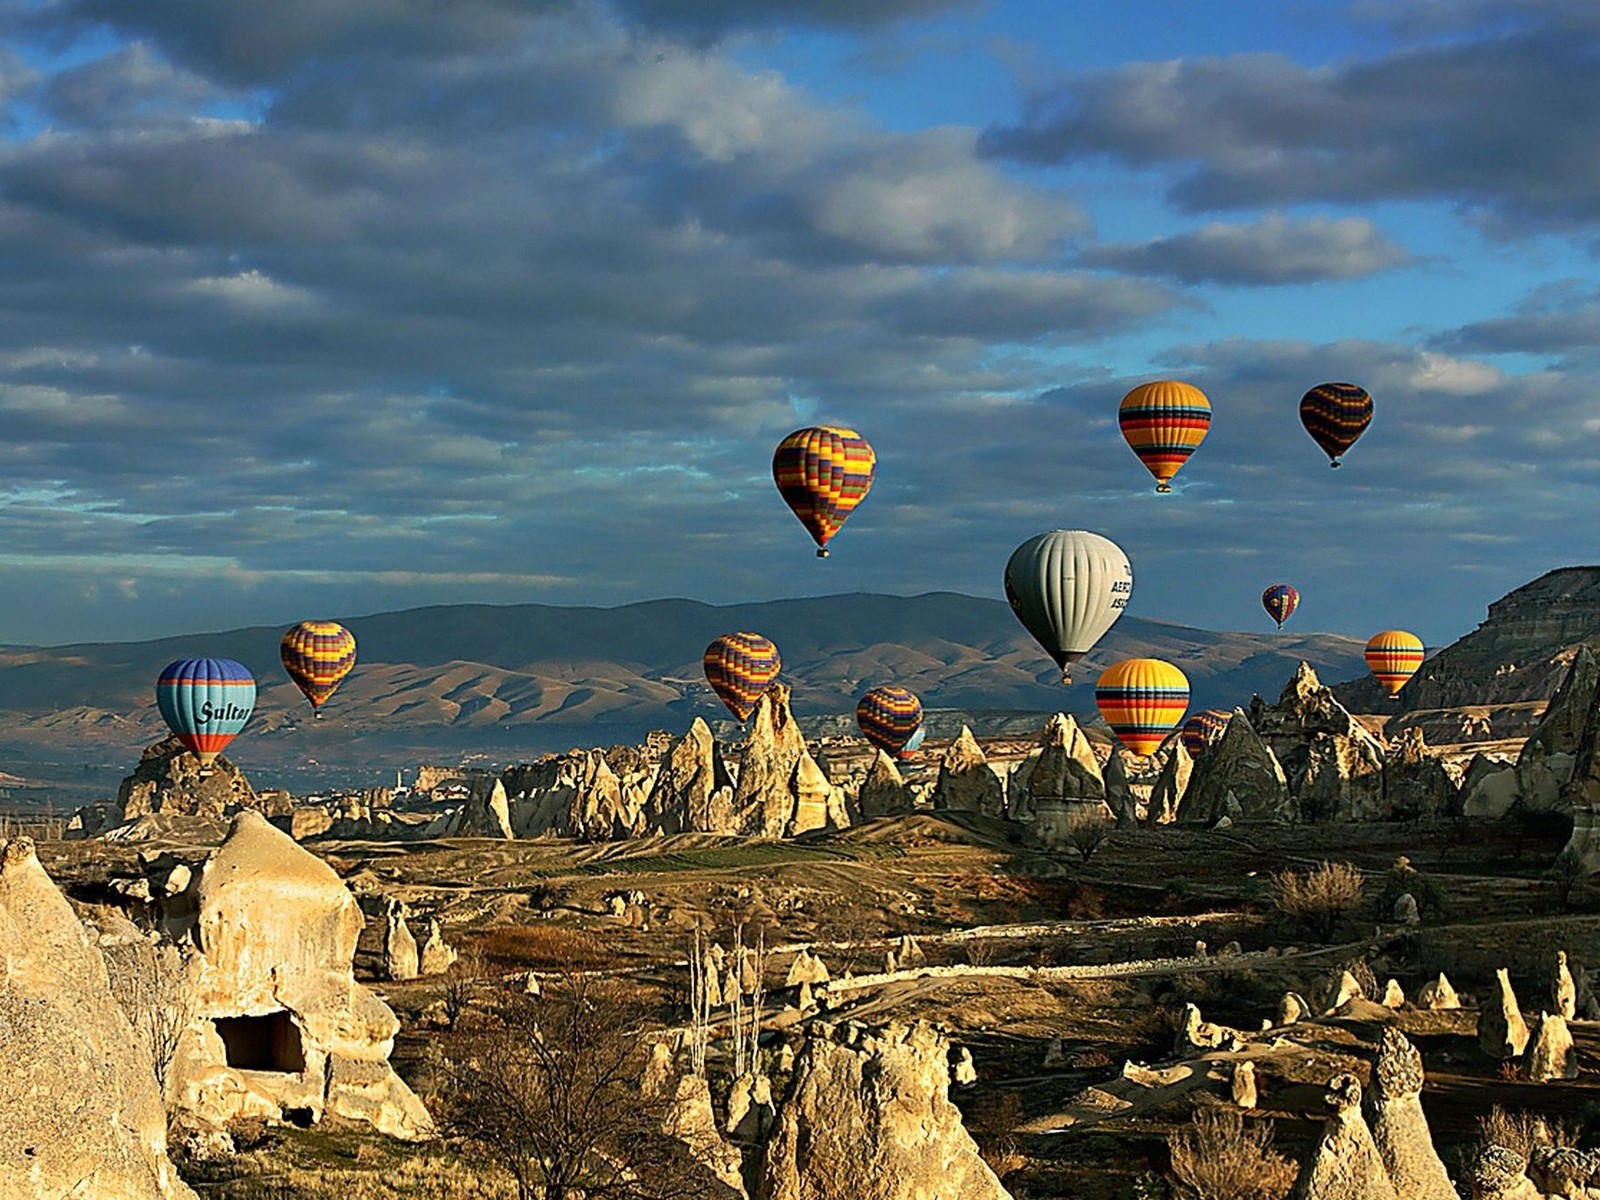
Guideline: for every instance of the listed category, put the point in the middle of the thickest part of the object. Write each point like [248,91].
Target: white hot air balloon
[1068,587]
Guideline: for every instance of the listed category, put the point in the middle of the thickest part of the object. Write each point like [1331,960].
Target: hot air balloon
[1142,699]
[1335,415]
[1204,728]
[1068,587]
[823,473]
[915,742]
[318,655]
[1164,422]
[205,701]
[889,717]
[739,667]
[1280,600]
[1393,656]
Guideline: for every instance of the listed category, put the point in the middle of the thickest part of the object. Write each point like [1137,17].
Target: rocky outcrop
[1550,1054]
[1499,1173]
[1415,782]
[693,790]
[1502,1033]
[1561,728]
[883,792]
[399,956]
[487,812]
[1120,797]
[1563,989]
[1170,785]
[773,767]
[169,779]
[1333,767]
[281,1027]
[1438,994]
[1399,1128]
[1240,767]
[868,1117]
[1060,787]
[1346,1164]
[966,781]
[436,956]
[80,1112]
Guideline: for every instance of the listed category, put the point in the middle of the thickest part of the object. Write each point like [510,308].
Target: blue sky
[348,305]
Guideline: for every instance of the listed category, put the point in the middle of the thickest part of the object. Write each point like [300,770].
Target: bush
[1088,834]
[1221,1156]
[1318,898]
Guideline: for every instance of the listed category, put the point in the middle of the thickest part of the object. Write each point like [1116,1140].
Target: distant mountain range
[520,679]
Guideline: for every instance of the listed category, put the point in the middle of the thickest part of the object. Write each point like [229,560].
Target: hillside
[535,676]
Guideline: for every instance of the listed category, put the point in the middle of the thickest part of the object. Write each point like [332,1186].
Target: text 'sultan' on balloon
[205,701]
[822,473]
[318,655]
[1164,422]
[1068,587]
[1280,600]
[889,718]
[1393,657]
[1335,415]
[1142,699]
[740,667]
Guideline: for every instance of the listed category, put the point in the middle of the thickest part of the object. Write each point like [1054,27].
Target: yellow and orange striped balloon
[318,655]
[1164,422]
[1142,699]
[822,473]
[1393,657]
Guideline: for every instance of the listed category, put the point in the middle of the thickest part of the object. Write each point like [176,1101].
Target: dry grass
[1521,1131]
[1318,898]
[1221,1156]
[518,947]
[435,1176]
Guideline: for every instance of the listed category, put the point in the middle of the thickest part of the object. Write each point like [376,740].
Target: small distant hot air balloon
[889,718]
[1335,415]
[1142,699]
[205,701]
[739,667]
[318,655]
[1393,656]
[1164,422]
[1068,587]
[1280,600]
[822,473]
[1204,728]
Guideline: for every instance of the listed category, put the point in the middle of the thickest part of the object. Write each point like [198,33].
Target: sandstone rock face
[693,790]
[400,957]
[873,1120]
[966,781]
[169,779]
[1346,1164]
[1497,1173]
[691,1119]
[1564,1172]
[1240,765]
[1563,990]
[80,1113]
[1119,791]
[1170,786]
[1488,794]
[437,956]
[487,812]
[1399,1128]
[884,792]
[1551,1054]
[1067,768]
[1437,994]
[1333,767]
[1502,1033]
[1561,728]
[1581,854]
[766,802]
[281,1026]
[1416,784]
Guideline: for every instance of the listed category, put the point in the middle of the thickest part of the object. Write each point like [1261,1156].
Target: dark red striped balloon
[1335,415]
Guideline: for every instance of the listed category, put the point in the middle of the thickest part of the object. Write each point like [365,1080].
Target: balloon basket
[317,715]
[1334,464]
[1163,487]
[822,552]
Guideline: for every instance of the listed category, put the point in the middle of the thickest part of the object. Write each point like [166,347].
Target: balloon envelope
[1393,656]
[205,701]
[739,667]
[889,717]
[1164,422]
[1142,699]
[915,742]
[822,473]
[1068,587]
[1280,600]
[1204,728]
[1335,415]
[318,655]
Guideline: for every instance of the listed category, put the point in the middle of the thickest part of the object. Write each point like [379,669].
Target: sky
[327,307]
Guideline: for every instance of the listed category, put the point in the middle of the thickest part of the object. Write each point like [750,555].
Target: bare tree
[1318,898]
[1088,834]
[548,1087]
[460,982]
[148,980]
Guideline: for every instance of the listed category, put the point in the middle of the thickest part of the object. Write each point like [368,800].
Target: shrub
[1088,834]
[1221,1156]
[1318,898]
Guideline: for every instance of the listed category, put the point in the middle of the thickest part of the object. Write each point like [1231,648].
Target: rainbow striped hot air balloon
[1142,699]
[1280,600]
[1335,415]
[889,718]
[822,473]
[739,667]
[1393,656]
[1203,729]
[205,701]
[318,655]
[1164,422]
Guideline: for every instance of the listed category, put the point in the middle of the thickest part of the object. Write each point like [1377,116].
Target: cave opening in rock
[265,1043]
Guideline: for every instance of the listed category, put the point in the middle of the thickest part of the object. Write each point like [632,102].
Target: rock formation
[870,1118]
[966,781]
[1502,1033]
[1564,1172]
[1405,910]
[765,799]
[169,779]
[437,956]
[1332,766]
[1437,994]
[1563,991]
[487,812]
[282,1029]
[1346,1164]
[693,791]
[1399,1128]
[1062,785]
[80,1112]
[400,958]
[1415,782]
[1170,786]
[883,792]
[1119,791]
[1242,767]
[1291,1008]
[1550,1054]
[691,1119]
[1242,1085]
[1499,1173]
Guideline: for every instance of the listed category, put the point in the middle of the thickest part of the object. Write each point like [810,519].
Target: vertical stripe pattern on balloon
[822,473]
[318,655]
[888,717]
[1335,415]
[1142,699]
[1280,600]
[1164,422]
[740,667]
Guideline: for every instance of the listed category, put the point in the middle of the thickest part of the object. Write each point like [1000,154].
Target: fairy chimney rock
[763,799]
[1437,994]
[1170,785]
[693,790]
[400,957]
[966,782]
[884,792]
[1563,991]
[1241,766]
[1399,1128]
[1551,1055]
[1502,1033]
[1346,1164]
